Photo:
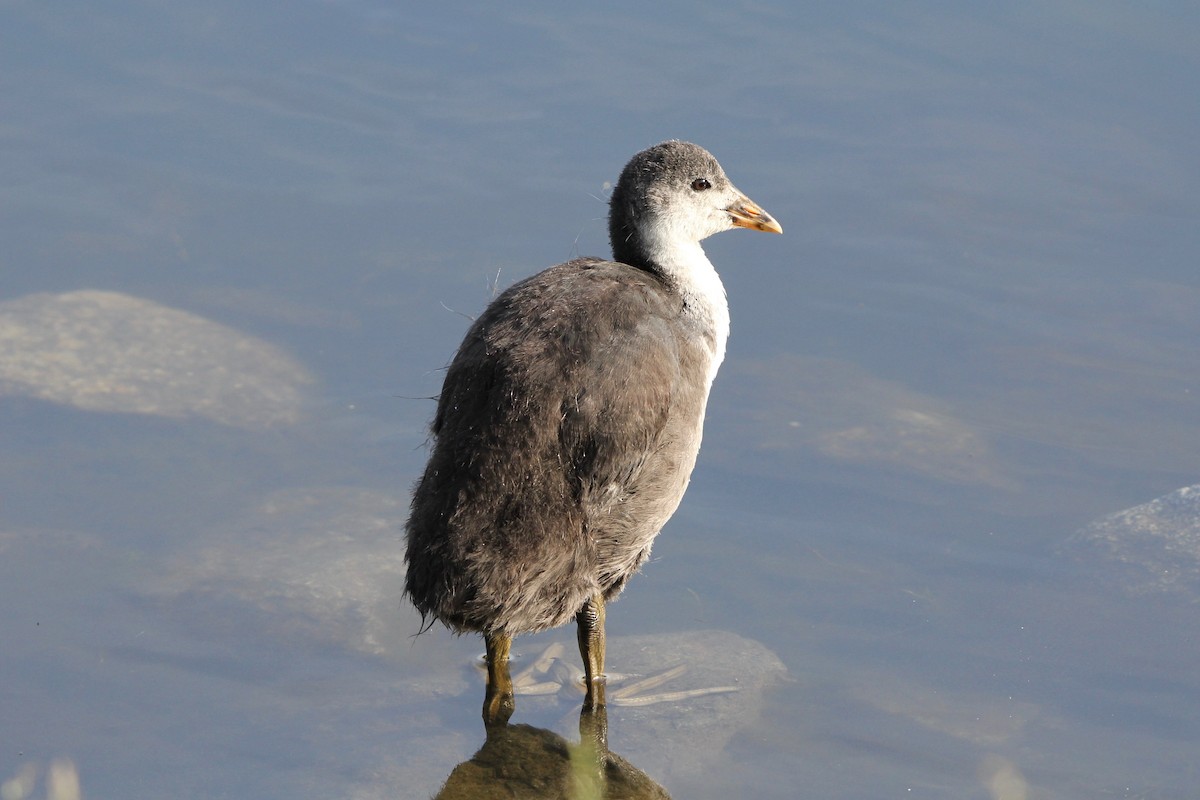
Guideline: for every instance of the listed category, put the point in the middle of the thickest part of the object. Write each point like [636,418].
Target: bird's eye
[700,184]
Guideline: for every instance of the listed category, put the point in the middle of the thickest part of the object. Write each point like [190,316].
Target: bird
[570,419]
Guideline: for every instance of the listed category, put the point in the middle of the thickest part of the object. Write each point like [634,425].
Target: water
[978,334]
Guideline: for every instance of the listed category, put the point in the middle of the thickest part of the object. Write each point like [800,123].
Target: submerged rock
[106,351]
[795,407]
[324,564]
[1154,547]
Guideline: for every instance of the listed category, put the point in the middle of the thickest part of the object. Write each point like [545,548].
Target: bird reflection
[535,763]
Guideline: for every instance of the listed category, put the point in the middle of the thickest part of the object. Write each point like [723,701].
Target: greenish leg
[498,700]
[590,621]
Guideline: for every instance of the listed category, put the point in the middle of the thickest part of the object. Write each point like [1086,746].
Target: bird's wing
[562,392]
[615,414]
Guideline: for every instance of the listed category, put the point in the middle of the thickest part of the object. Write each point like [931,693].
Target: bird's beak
[746,214]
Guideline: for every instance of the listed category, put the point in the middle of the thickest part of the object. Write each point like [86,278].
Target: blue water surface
[980,331]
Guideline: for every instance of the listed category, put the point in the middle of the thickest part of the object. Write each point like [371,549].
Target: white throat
[687,267]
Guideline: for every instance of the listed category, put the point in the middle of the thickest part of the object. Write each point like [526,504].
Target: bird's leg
[498,700]
[590,621]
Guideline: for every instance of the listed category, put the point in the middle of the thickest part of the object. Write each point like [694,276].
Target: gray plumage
[571,415]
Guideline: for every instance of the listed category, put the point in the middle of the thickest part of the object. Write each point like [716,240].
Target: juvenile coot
[570,419]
